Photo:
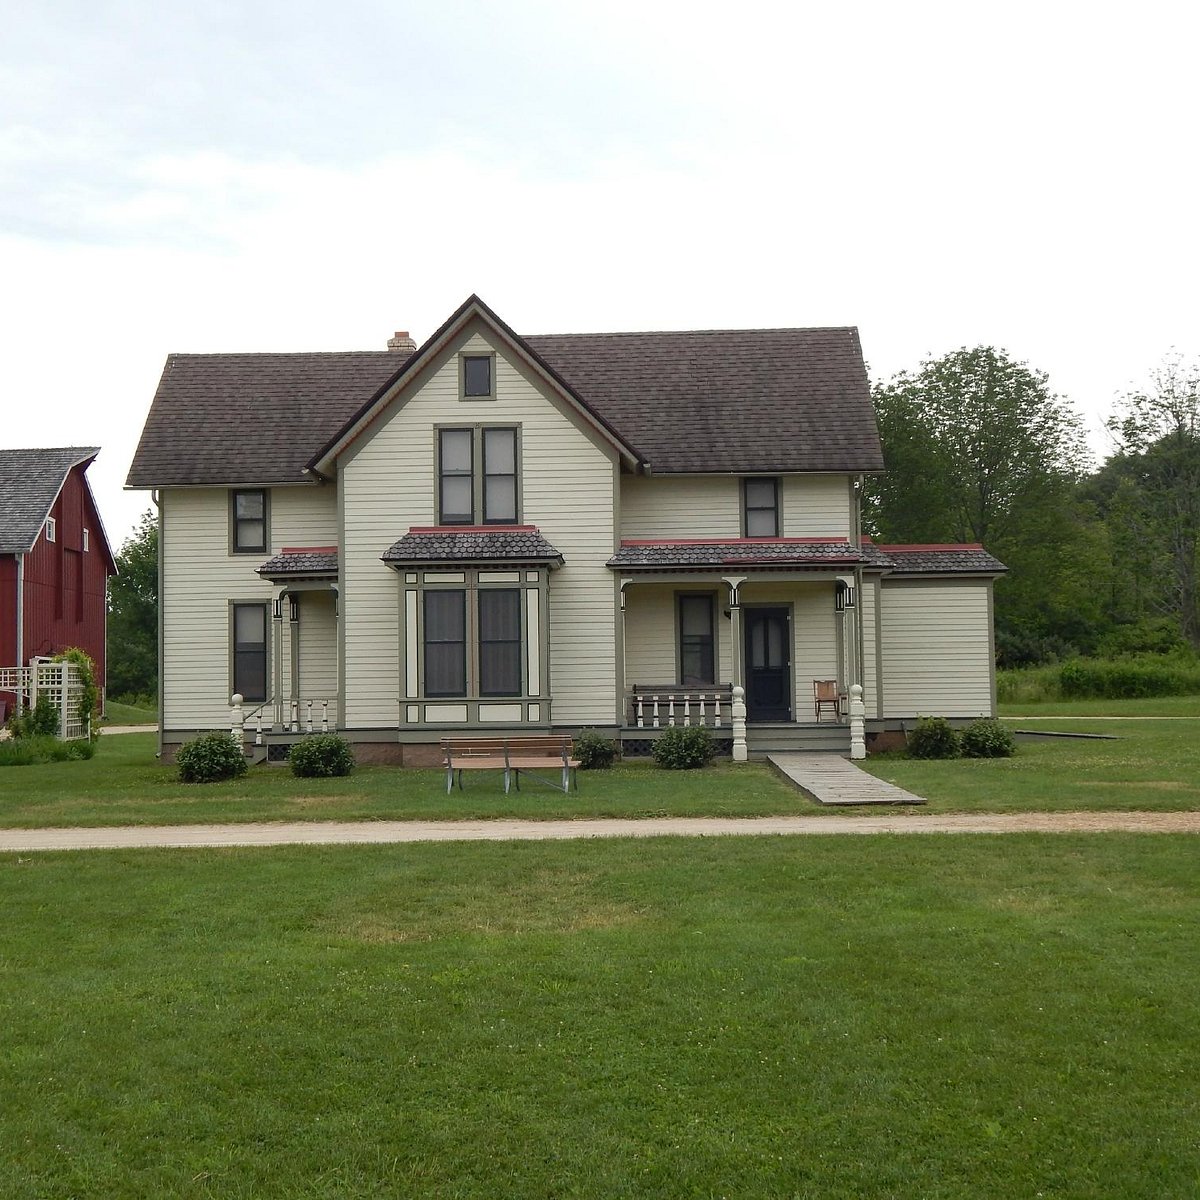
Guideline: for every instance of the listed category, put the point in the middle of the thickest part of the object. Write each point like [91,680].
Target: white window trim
[51,529]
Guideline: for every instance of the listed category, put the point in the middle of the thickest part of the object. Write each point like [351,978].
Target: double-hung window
[248,521]
[250,650]
[760,507]
[478,479]
[697,643]
[472,652]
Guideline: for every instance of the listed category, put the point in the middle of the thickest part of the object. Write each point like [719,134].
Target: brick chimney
[401,341]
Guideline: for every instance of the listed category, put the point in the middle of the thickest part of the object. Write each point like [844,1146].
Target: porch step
[821,738]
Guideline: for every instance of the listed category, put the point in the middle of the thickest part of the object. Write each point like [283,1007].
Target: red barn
[54,557]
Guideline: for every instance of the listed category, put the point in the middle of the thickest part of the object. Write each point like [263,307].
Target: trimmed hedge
[210,758]
[594,752]
[684,748]
[321,756]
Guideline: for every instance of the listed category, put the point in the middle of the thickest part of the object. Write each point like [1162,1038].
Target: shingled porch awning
[301,562]
[472,545]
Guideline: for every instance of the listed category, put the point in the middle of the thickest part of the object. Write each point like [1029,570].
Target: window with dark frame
[250,522]
[478,476]
[445,628]
[760,507]
[250,650]
[697,642]
[456,476]
[500,642]
[477,375]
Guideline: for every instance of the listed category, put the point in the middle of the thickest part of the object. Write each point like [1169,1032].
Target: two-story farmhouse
[611,531]
[55,559]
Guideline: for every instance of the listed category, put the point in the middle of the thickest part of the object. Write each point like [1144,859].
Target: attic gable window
[248,522]
[760,507]
[87,541]
[477,376]
[51,529]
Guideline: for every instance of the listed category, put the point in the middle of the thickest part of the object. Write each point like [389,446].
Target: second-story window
[477,476]
[249,522]
[760,507]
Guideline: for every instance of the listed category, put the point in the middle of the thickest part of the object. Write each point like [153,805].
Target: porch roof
[307,562]
[472,544]
[966,559]
[640,554]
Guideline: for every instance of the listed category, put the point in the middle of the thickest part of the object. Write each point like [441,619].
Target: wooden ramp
[831,779]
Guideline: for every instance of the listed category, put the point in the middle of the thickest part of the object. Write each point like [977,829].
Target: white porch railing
[654,707]
[301,715]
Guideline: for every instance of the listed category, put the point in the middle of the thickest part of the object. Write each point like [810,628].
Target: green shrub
[595,753]
[684,747]
[321,755]
[39,721]
[933,737]
[210,758]
[1153,635]
[987,738]
[28,751]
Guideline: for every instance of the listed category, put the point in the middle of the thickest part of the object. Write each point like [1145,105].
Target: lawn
[1151,765]
[1150,706]
[124,784]
[126,714]
[817,1018]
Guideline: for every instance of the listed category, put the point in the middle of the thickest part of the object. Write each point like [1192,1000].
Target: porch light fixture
[843,598]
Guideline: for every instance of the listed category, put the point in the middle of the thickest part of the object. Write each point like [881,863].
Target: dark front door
[768,665]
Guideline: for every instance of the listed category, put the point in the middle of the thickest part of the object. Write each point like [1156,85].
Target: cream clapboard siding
[318,649]
[869,601]
[201,578]
[816,506]
[936,648]
[695,506]
[388,484]
[651,634]
[683,506]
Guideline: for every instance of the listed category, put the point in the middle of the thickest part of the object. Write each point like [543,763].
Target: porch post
[294,648]
[622,674]
[737,713]
[277,659]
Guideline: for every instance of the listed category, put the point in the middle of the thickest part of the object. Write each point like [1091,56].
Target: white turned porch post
[237,718]
[858,725]
[277,659]
[741,751]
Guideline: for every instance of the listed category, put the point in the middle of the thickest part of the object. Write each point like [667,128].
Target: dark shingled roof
[30,481]
[293,563]
[798,552]
[728,399]
[709,400]
[251,418]
[471,544]
[969,558]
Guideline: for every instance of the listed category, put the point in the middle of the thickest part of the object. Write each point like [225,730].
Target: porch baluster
[310,728]
[687,709]
[258,738]
[641,715]
[324,716]
[655,699]
[295,721]
[670,708]
[717,710]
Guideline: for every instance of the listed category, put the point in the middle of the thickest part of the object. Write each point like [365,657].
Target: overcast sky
[313,176]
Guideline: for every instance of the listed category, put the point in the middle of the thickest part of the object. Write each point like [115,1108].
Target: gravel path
[350,832]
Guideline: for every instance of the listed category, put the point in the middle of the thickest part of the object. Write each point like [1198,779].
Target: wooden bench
[512,755]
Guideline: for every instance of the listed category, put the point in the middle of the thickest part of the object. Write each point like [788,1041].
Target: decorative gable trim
[472,308]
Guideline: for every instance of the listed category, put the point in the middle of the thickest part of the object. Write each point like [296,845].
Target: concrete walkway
[309,833]
[831,779]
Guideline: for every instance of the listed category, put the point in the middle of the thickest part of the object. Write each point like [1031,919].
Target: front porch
[787,642]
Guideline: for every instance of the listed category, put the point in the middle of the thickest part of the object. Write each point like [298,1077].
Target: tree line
[1103,560]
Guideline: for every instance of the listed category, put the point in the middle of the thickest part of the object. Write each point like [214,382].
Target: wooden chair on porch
[825,696]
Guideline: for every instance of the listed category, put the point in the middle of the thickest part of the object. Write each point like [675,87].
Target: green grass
[1152,765]
[1150,706]
[818,1018]
[127,785]
[126,714]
